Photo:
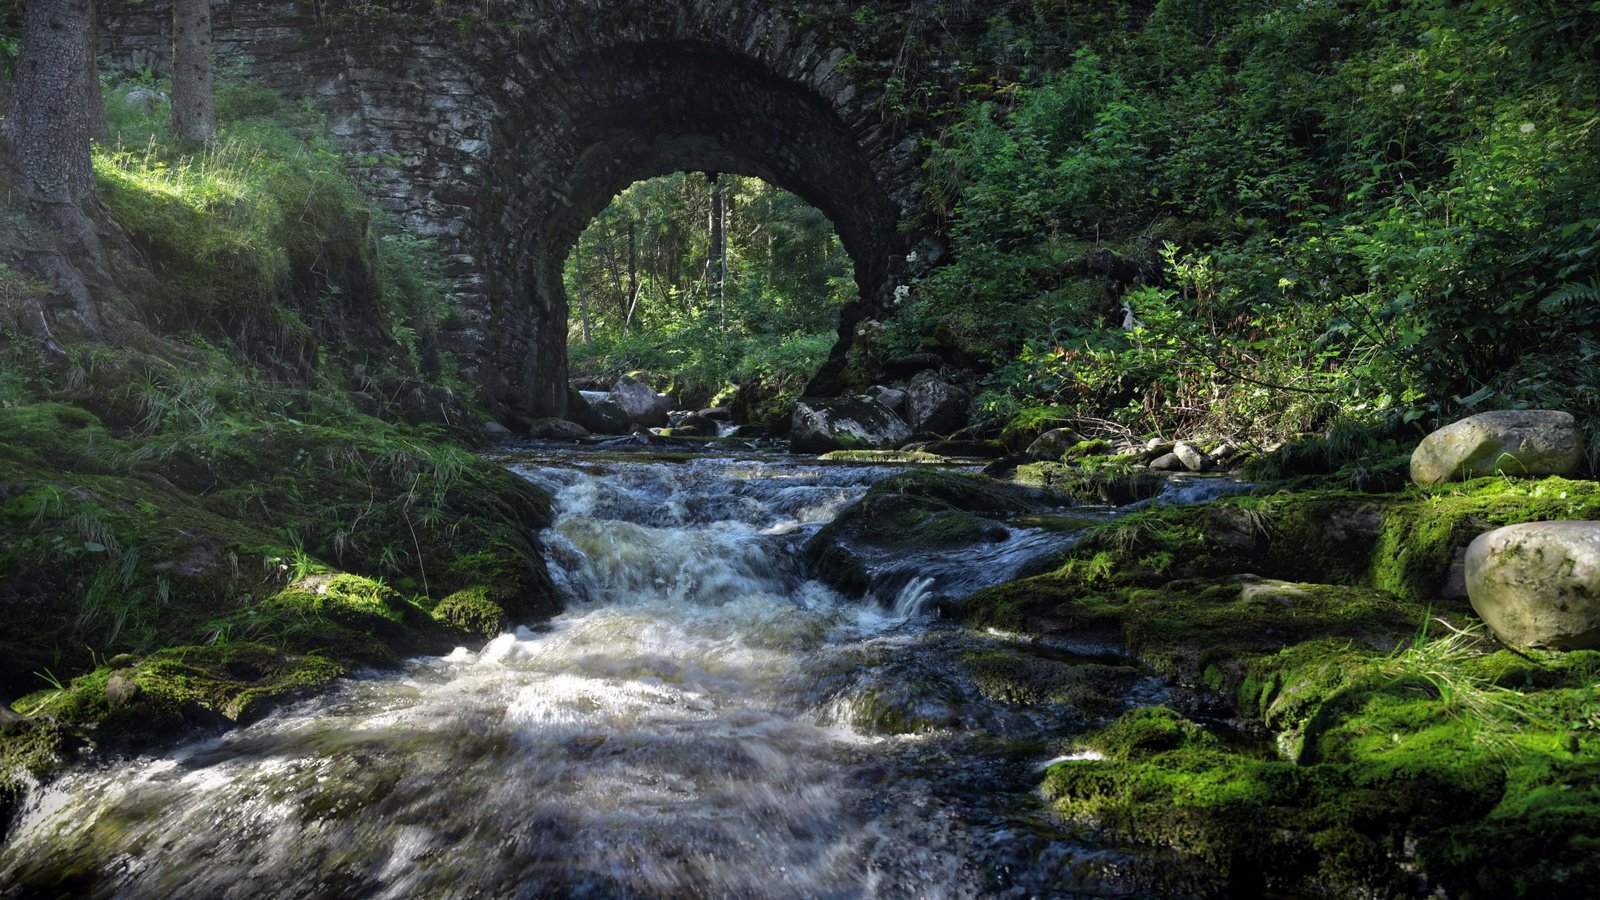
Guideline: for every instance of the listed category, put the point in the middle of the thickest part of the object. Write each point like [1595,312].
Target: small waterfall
[704,720]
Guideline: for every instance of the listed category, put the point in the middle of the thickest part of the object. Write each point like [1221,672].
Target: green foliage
[196,519]
[1321,211]
[645,288]
[262,239]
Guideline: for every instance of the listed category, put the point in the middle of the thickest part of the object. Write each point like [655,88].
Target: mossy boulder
[1022,676]
[1397,745]
[912,512]
[1053,444]
[1115,481]
[1026,426]
[1394,775]
[885,457]
[472,612]
[180,687]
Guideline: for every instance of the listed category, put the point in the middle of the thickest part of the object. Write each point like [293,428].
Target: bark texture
[48,125]
[95,107]
[194,109]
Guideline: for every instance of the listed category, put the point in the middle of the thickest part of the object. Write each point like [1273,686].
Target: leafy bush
[1317,212]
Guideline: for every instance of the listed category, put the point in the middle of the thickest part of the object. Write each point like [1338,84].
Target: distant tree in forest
[194,109]
[711,273]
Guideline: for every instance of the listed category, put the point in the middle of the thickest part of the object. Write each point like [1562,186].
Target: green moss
[914,511]
[1422,751]
[1025,427]
[1111,480]
[57,436]
[884,457]
[1096,447]
[1018,676]
[177,687]
[471,611]
[906,708]
[1421,536]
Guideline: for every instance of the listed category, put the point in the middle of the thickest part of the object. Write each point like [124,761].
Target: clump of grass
[1442,668]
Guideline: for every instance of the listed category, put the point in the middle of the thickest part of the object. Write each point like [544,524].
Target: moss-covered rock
[885,457]
[1400,746]
[1017,676]
[472,612]
[1115,481]
[1025,427]
[912,512]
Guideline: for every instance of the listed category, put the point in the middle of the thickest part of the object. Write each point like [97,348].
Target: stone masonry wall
[502,136]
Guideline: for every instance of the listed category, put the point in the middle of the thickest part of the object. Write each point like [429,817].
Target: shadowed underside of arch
[629,111]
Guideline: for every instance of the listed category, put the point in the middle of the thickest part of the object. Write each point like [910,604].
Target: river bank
[1267,684]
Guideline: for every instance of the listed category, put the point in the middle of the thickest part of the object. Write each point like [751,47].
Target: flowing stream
[704,720]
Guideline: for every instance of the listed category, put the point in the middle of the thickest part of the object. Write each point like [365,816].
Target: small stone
[495,429]
[121,689]
[1156,448]
[1512,442]
[1054,444]
[557,430]
[1538,584]
[1167,463]
[1191,457]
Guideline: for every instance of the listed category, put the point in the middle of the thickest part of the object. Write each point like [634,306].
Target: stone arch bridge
[503,132]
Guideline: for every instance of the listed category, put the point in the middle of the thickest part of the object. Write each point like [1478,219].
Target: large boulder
[1513,442]
[847,423]
[597,412]
[141,101]
[933,405]
[640,402]
[1538,584]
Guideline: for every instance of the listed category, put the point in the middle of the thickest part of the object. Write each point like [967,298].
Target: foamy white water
[704,720]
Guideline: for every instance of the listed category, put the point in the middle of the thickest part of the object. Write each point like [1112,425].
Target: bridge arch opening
[582,133]
[707,281]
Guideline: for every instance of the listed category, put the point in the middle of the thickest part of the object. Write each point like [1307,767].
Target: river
[703,720]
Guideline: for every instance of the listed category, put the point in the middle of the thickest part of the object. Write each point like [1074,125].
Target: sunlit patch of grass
[1441,667]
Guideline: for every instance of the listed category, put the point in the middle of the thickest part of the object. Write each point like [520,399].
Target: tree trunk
[48,127]
[95,105]
[633,263]
[194,109]
[583,300]
[717,264]
[5,86]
